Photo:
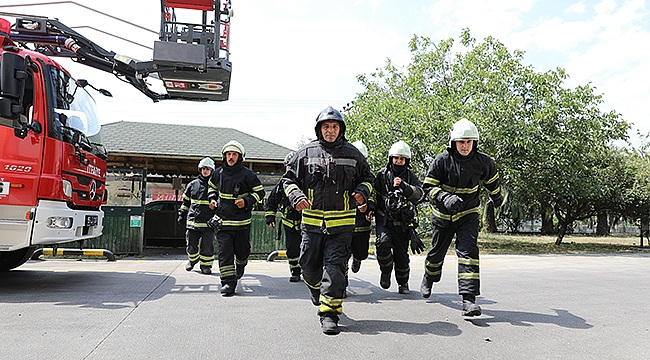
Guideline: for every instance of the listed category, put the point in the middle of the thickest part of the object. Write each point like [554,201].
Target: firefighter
[398,191]
[234,191]
[326,180]
[290,222]
[452,183]
[361,235]
[194,214]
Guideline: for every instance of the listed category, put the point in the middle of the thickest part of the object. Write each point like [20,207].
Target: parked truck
[52,161]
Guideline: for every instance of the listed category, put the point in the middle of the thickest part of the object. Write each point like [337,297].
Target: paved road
[535,307]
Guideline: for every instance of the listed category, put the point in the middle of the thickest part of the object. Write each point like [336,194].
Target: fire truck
[52,161]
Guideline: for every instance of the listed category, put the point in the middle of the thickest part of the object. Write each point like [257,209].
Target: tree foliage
[552,144]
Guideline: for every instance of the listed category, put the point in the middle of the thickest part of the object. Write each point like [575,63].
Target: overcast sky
[291,59]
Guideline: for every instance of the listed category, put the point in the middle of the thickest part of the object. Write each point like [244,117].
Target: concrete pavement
[536,307]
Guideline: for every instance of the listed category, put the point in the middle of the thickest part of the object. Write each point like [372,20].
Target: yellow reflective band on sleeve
[289,189]
[294,224]
[492,179]
[186,197]
[368,185]
[469,276]
[440,215]
[258,188]
[495,191]
[227,196]
[269,213]
[257,197]
[359,229]
[468,261]
[332,218]
[185,207]
[431,181]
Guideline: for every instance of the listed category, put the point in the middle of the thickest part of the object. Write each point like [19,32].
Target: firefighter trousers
[200,246]
[323,259]
[293,239]
[234,249]
[466,231]
[392,249]
[360,244]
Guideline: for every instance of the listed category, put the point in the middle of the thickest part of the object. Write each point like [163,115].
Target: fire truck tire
[13,259]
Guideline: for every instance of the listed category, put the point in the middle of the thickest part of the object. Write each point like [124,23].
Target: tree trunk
[547,222]
[561,232]
[602,226]
[490,222]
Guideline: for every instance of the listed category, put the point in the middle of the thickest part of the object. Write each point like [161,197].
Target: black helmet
[329,113]
[287,159]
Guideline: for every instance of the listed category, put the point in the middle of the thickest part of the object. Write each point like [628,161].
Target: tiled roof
[184,140]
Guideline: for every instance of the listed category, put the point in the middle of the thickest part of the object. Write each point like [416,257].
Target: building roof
[171,140]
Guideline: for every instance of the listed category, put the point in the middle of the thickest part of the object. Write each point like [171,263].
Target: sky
[291,59]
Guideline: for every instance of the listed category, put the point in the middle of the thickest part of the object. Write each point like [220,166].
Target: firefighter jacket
[397,205]
[229,183]
[327,177]
[278,201]
[460,175]
[196,206]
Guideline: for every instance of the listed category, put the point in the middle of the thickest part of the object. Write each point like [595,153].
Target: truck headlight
[59,222]
[67,188]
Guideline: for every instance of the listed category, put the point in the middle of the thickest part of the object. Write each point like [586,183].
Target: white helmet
[400,148]
[463,129]
[234,145]
[206,162]
[362,147]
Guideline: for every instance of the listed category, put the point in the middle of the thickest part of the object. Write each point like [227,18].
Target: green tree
[548,141]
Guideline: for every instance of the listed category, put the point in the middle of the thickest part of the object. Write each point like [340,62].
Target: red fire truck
[52,162]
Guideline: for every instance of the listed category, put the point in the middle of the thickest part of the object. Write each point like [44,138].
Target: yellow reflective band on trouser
[236,222]
[468,276]
[330,305]
[227,270]
[314,287]
[468,261]
[206,260]
[428,265]
[197,224]
[193,257]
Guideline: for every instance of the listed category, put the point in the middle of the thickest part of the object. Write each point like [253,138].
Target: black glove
[497,202]
[270,219]
[215,223]
[450,202]
[417,246]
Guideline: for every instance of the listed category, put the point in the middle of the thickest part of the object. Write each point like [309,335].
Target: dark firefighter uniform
[227,184]
[290,222]
[327,174]
[453,176]
[362,226]
[195,212]
[395,217]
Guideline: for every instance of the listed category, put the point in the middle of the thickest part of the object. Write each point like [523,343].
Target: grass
[571,244]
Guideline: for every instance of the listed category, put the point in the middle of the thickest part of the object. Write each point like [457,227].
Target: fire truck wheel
[13,259]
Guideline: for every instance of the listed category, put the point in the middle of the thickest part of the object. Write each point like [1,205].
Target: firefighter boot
[240,271]
[295,277]
[403,289]
[228,289]
[206,270]
[384,280]
[329,325]
[314,295]
[356,265]
[425,287]
[190,265]
[469,306]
